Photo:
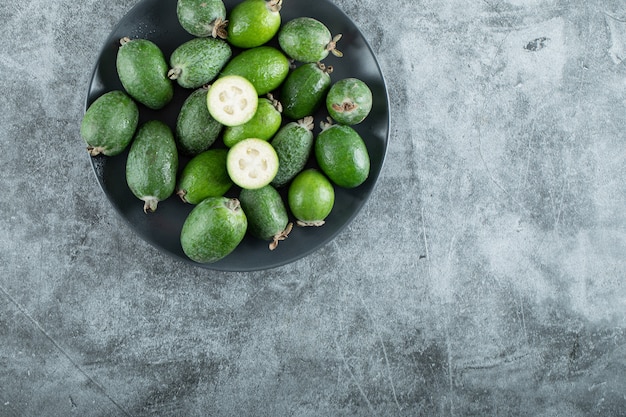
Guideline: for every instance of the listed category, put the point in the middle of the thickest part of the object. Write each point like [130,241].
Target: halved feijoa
[252,163]
[232,100]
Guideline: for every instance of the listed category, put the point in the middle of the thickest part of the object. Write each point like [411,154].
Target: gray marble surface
[484,277]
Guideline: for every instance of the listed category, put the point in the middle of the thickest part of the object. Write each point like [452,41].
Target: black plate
[156,20]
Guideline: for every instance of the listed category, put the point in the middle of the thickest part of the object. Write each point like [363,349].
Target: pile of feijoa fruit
[245,128]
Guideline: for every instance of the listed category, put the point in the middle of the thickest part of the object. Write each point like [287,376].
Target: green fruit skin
[252,24]
[196,129]
[204,176]
[293,144]
[263,125]
[109,123]
[349,101]
[142,70]
[265,210]
[197,16]
[152,162]
[198,61]
[311,196]
[264,66]
[213,229]
[304,90]
[305,39]
[342,155]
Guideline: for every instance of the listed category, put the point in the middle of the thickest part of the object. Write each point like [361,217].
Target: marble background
[484,277]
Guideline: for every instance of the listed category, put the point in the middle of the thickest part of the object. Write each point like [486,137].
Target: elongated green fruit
[109,124]
[152,164]
[342,155]
[202,17]
[204,176]
[213,229]
[306,39]
[311,198]
[254,22]
[142,70]
[266,213]
[196,129]
[304,90]
[263,125]
[265,67]
[198,61]
[293,144]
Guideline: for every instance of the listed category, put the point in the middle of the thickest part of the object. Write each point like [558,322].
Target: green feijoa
[342,155]
[198,61]
[265,67]
[142,69]
[213,229]
[109,123]
[306,39]
[196,129]
[254,22]
[202,18]
[263,125]
[152,164]
[293,144]
[304,90]
[349,101]
[266,213]
[204,176]
[311,198]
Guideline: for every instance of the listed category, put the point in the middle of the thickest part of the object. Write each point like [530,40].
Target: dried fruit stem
[281,236]
[219,28]
[316,223]
[332,46]
[95,150]
[274,5]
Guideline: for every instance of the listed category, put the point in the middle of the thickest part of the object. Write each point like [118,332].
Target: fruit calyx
[326,124]
[219,28]
[174,73]
[307,122]
[332,46]
[274,6]
[150,204]
[275,102]
[182,194]
[232,204]
[316,223]
[327,69]
[95,150]
[346,106]
[280,236]
[124,40]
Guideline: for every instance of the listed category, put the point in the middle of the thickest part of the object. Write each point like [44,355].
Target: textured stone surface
[485,276]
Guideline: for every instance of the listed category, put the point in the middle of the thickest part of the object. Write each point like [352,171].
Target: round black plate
[156,20]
